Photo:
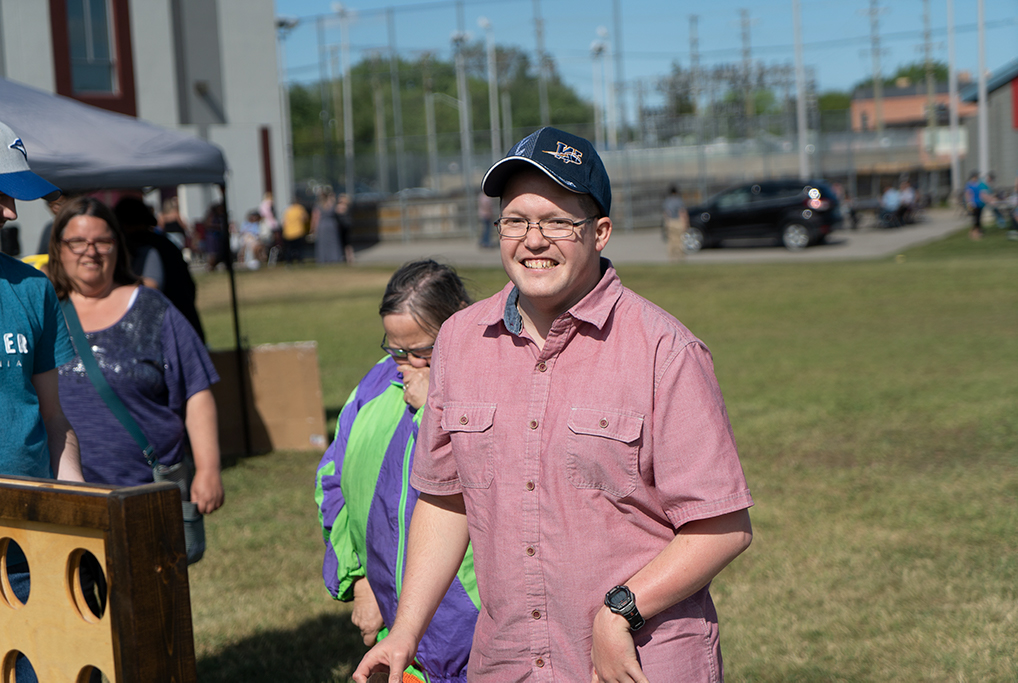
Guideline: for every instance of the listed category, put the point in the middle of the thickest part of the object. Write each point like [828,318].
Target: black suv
[796,212]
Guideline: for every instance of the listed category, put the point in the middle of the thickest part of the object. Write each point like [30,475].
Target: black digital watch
[621,601]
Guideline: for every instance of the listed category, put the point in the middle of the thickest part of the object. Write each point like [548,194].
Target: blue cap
[569,160]
[16,179]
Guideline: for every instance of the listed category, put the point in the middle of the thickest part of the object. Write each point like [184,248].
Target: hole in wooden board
[15,577]
[16,668]
[91,674]
[87,585]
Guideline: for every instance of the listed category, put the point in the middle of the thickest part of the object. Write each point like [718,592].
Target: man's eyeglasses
[423,352]
[512,227]
[79,245]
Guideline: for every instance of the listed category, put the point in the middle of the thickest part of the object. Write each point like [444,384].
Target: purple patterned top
[154,361]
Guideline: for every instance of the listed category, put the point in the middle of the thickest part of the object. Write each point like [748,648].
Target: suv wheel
[692,240]
[795,237]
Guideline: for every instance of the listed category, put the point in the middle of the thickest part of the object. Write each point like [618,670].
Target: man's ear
[602,231]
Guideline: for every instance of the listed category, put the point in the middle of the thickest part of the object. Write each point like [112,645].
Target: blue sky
[655,33]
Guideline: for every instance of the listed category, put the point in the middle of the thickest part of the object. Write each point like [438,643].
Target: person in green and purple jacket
[363,481]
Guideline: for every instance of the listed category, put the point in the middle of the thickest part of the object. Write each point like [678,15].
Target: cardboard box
[283,391]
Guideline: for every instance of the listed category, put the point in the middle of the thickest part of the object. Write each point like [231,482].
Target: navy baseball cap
[16,179]
[569,160]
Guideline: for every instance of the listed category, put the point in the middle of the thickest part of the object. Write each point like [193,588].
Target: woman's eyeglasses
[79,245]
[423,352]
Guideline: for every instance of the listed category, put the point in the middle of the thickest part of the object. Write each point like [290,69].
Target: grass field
[876,409]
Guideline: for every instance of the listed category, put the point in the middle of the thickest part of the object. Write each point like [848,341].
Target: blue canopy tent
[81,148]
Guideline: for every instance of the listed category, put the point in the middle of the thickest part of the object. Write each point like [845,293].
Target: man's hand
[613,651]
[393,654]
[415,385]
[366,615]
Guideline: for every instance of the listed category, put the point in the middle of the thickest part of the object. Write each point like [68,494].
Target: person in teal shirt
[36,439]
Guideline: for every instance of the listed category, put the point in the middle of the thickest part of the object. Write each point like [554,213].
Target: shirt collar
[594,308]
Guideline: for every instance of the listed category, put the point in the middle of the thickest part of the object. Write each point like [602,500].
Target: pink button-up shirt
[577,464]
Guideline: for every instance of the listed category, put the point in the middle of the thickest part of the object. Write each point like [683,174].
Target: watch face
[618,598]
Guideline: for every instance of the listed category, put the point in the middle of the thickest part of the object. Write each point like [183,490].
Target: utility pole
[620,80]
[459,39]
[596,52]
[489,39]
[507,120]
[747,68]
[381,141]
[323,92]
[429,124]
[694,66]
[344,42]
[800,93]
[878,81]
[611,106]
[542,65]
[283,28]
[952,77]
[982,114]
[397,105]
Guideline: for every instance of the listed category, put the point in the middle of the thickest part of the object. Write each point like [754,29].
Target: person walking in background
[977,194]
[36,438]
[172,224]
[148,353]
[156,259]
[576,437]
[485,214]
[363,491]
[295,229]
[325,228]
[345,221]
[676,223]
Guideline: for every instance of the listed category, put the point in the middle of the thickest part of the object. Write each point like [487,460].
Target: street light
[597,49]
[492,89]
[345,16]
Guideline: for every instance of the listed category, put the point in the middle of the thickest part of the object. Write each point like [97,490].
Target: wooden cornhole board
[144,633]
[284,399]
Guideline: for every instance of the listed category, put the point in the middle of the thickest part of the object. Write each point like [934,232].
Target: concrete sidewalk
[647,246]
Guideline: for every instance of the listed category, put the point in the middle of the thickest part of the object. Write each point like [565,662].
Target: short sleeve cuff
[436,488]
[692,512]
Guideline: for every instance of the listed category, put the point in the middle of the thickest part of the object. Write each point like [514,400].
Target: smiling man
[575,434]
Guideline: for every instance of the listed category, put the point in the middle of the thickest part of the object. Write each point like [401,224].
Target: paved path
[646,246]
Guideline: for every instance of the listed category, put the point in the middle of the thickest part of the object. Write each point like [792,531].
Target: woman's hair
[86,206]
[430,292]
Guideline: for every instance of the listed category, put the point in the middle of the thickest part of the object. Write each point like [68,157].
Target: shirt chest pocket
[603,450]
[471,431]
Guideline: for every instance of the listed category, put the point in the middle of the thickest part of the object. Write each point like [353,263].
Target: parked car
[795,212]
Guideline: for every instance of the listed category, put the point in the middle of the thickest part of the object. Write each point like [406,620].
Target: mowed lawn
[876,409]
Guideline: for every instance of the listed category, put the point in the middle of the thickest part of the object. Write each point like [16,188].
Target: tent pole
[238,350]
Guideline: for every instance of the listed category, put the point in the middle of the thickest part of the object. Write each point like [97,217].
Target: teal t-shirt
[33,340]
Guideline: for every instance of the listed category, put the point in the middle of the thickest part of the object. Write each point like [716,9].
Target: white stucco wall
[251,94]
[154,68]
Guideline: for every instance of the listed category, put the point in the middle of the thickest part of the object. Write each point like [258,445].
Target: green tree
[915,72]
[517,77]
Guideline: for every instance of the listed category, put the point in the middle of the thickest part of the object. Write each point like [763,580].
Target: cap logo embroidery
[20,146]
[566,154]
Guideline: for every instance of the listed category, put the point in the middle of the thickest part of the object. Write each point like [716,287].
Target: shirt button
[540,663]
[531,551]
[603,423]
[533,424]
[542,366]
[530,486]
[535,614]
[464,420]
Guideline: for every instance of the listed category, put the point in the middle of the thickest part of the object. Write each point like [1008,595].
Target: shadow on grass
[322,650]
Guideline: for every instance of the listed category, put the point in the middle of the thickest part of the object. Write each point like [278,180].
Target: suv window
[783,190]
[734,198]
